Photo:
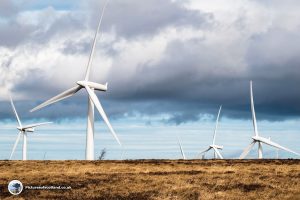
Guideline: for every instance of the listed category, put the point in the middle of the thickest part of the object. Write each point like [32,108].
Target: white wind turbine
[23,131]
[181,149]
[213,145]
[92,99]
[258,139]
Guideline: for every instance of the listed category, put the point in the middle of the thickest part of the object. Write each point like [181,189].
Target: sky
[169,65]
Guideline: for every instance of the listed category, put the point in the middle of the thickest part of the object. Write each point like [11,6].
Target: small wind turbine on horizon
[258,139]
[23,131]
[213,145]
[92,99]
[181,149]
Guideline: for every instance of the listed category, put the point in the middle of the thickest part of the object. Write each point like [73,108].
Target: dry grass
[155,179]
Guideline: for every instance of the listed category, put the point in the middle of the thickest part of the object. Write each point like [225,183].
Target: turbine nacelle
[93,85]
[25,129]
[258,138]
[216,146]
[30,130]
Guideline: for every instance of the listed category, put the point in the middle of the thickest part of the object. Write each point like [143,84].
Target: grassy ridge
[155,179]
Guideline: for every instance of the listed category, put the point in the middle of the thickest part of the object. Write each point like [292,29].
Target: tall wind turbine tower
[92,99]
[258,139]
[23,130]
[213,145]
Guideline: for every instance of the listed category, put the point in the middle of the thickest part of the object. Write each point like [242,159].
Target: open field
[155,179]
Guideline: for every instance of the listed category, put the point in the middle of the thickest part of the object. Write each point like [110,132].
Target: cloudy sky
[168,63]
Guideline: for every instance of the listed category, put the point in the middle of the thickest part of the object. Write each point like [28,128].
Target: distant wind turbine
[258,139]
[213,145]
[92,99]
[23,131]
[181,149]
[44,155]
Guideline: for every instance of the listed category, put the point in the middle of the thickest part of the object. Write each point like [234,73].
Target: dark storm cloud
[275,54]
[34,85]
[72,108]
[186,72]
[192,78]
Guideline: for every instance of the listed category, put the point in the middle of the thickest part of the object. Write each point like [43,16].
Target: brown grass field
[155,179]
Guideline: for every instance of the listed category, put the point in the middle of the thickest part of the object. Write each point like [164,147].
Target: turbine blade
[88,69]
[15,145]
[218,153]
[181,149]
[35,125]
[247,150]
[101,111]
[253,110]
[15,111]
[61,96]
[269,142]
[217,123]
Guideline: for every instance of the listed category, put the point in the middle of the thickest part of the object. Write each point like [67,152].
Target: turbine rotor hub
[256,138]
[81,83]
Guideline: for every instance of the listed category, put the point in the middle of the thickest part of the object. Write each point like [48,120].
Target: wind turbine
[181,149]
[258,139]
[23,130]
[92,99]
[213,145]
